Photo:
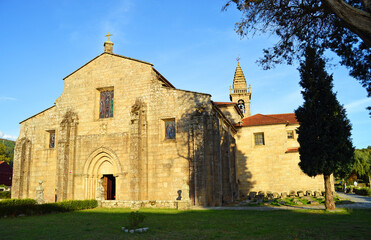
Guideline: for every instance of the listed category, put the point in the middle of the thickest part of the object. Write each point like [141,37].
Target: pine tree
[324,132]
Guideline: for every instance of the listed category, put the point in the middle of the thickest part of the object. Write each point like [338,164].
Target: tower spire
[239,93]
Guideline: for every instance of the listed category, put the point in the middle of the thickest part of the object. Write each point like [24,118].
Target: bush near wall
[362,191]
[15,207]
[5,195]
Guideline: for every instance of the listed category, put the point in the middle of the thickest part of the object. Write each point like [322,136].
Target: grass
[103,223]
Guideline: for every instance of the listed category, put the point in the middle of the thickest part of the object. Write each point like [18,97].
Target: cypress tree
[324,131]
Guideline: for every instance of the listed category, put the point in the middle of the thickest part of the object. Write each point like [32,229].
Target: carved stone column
[21,170]
[66,156]
[138,173]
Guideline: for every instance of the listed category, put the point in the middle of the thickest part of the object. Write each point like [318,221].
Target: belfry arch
[100,163]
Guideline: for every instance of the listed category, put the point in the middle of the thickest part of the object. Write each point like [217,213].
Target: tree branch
[356,20]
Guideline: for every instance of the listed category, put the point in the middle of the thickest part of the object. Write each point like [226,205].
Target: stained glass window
[51,139]
[170,129]
[106,104]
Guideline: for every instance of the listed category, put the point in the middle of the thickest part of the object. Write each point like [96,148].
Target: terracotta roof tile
[291,150]
[225,103]
[289,117]
[260,119]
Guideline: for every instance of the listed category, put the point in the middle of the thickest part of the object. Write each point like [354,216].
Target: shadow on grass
[197,224]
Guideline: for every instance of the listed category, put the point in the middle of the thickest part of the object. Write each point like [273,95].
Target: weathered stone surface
[209,160]
[276,195]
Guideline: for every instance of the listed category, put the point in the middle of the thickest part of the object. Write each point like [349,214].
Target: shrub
[290,201]
[135,219]
[363,191]
[275,202]
[339,188]
[5,195]
[304,201]
[14,207]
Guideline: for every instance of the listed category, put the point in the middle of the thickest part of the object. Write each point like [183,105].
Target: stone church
[120,121]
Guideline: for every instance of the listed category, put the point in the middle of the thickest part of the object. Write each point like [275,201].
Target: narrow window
[290,134]
[51,139]
[259,138]
[170,129]
[106,104]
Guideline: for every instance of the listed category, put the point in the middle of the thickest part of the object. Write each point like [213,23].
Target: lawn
[103,223]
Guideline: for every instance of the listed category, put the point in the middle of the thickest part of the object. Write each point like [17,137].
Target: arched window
[241,105]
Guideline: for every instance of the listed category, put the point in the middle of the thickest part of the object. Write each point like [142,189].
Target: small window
[106,104]
[259,138]
[290,134]
[170,129]
[51,139]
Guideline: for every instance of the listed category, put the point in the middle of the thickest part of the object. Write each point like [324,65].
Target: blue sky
[191,43]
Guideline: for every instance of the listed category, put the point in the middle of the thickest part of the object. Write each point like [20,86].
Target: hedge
[5,194]
[362,191]
[15,207]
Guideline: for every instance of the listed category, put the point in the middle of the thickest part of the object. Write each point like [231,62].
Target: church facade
[120,121]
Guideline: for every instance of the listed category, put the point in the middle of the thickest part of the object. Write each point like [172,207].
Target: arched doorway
[109,184]
[102,164]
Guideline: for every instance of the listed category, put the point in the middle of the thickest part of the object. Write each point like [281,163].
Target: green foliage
[4,155]
[362,163]
[135,219]
[290,202]
[363,191]
[275,202]
[304,201]
[297,23]
[319,200]
[14,207]
[324,131]
[5,194]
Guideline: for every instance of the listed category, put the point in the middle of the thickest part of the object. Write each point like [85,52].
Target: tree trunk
[329,203]
[357,21]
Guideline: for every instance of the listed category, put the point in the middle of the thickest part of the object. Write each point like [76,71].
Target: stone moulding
[180,204]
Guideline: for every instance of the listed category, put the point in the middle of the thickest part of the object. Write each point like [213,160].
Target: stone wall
[269,167]
[131,145]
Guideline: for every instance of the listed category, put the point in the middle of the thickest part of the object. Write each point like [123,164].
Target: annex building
[119,120]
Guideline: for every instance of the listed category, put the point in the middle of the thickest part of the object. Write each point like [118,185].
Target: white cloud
[6,136]
[2,98]
[358,105]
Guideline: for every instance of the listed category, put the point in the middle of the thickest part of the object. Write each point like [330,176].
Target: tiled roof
[291,150]
[224,103]
[289,117]
[260,119]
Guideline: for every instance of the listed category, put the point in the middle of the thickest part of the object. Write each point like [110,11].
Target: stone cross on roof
[108,35]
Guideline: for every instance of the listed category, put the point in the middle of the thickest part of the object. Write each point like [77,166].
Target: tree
[324,131]
[362,163]
[343,26]
[4,156]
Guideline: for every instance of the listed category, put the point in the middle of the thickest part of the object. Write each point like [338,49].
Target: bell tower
[239,92]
